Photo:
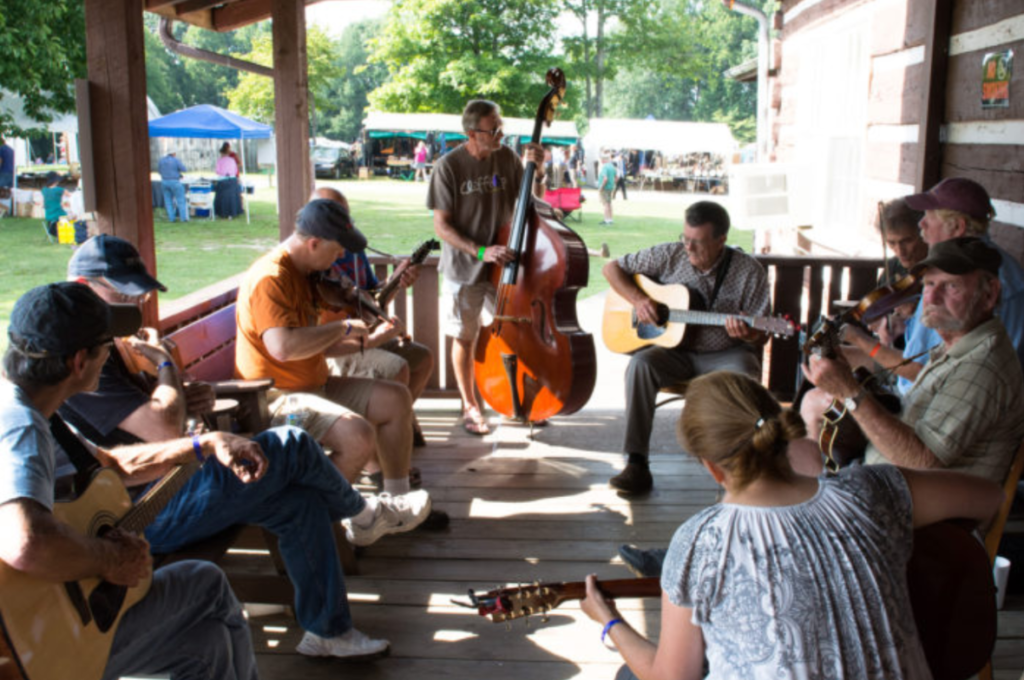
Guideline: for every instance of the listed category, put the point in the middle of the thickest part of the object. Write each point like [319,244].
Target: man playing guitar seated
[728,281]
[190,623]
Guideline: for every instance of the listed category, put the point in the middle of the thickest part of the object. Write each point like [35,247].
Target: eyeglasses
[496,132]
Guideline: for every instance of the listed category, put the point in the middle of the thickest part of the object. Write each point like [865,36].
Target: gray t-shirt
[28,452]
[813,590]
[480,195]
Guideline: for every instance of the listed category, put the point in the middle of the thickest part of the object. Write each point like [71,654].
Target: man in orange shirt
[280,337]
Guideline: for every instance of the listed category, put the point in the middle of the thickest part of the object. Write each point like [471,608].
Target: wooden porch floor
[522,511]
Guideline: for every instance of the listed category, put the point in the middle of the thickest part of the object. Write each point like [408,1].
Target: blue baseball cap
[117,261]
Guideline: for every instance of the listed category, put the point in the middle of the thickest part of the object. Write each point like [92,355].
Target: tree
[684,47]
[442,53]
[43,48]
[342,109]
[254,95]
[593,57]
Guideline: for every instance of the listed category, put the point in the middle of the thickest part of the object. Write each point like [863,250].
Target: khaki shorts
[606,197]
[319,410]
[467,301]
[380,363]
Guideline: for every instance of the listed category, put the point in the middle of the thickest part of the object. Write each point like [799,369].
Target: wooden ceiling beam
[153,5]
[188,6]
[243,13]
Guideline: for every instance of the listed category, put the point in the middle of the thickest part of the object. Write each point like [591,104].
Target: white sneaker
[391,515]
[350,645]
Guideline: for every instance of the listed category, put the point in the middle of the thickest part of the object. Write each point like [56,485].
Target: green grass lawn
[393,215]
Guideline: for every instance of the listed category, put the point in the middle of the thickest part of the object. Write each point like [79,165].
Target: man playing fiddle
[898,223]
[965,410]
[387,355]
[280,336]
[473,191]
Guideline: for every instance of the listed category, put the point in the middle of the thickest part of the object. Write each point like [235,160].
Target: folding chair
[566,199]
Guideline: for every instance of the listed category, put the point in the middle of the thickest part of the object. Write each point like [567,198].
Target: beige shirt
[967,404]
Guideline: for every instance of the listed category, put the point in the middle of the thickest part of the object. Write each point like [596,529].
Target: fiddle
[343,295]
[872,307]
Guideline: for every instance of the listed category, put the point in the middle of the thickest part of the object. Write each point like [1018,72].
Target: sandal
[474,423]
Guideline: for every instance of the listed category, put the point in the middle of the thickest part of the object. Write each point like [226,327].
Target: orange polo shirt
[275,294]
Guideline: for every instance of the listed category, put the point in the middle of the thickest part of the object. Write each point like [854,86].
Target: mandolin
[56,630]
[135,361]
[624,333]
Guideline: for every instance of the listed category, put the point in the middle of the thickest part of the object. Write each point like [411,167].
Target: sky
[335,15]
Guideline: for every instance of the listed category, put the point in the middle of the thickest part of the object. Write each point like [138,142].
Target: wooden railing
[796,282]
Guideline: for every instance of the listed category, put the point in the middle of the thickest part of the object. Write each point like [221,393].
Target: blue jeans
[174,196]
[300,496]
[189,626]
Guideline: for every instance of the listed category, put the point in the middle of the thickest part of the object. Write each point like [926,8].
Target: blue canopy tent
[210,122]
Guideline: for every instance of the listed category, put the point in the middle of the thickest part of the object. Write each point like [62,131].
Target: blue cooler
[202,212]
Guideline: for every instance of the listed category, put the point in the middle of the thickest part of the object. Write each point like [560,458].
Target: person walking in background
[572,165]
[620,180]
[420,161]
[6,164]
[171,170]
[606,187]
[53,199]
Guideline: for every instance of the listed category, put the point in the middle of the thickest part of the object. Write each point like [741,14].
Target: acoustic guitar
[949,579]
[624,333]
[58,631]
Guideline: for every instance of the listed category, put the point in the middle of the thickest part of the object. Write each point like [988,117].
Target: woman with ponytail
[788,577]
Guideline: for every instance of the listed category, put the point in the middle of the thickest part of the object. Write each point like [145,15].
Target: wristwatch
[851,403]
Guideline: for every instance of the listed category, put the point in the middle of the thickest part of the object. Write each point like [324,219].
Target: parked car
[335,162]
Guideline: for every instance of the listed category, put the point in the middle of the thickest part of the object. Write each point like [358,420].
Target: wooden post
[120,130]
[936,59]
[291,110]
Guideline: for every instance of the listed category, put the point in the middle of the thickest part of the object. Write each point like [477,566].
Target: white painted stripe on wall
[893,134]
[1005,31]
[1009,212]
[887,188]
[985,132]
[898,60]
[798,10]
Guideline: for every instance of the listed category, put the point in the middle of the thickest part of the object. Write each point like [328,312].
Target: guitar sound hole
[663,314]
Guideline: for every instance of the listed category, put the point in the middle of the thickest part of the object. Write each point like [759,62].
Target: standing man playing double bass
[473,192]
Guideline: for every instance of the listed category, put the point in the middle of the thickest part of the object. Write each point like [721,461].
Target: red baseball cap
[955,193]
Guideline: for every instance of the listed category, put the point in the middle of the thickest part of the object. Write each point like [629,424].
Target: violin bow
[885,249]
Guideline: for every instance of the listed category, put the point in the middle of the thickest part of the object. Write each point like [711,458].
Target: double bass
[534,361]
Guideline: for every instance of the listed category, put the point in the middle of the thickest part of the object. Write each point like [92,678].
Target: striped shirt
[967,404]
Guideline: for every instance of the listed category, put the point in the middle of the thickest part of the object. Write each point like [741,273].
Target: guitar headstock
[506,604]
[778,326]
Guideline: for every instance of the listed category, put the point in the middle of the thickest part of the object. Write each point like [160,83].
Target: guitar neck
[626,587]
[693,317]
[149,506]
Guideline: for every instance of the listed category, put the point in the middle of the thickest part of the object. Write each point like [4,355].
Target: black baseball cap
[327,219]
[61,318]
[962,256]
[117,261]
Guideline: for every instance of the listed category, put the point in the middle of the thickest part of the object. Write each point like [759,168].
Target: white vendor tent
[671,138]
[419,124]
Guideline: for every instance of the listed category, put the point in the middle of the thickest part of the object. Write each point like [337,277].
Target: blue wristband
[198,449]
[608,627]
[164,364]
